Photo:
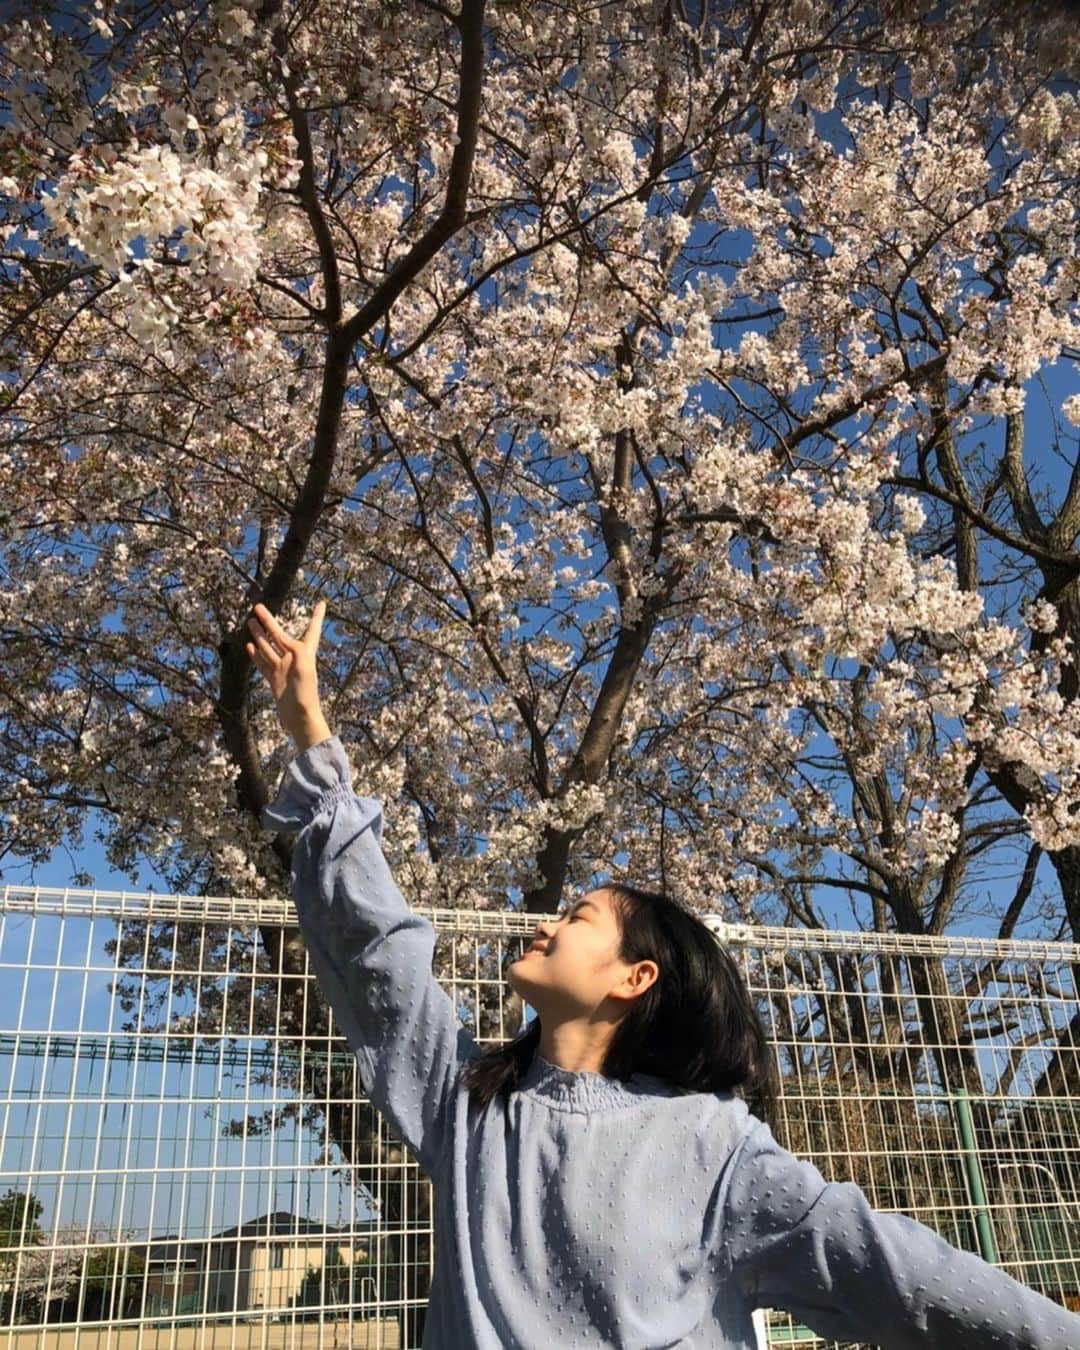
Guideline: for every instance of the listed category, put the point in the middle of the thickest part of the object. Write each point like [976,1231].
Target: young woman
[597,1182]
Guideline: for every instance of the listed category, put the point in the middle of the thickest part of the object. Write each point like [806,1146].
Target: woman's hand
[289,667]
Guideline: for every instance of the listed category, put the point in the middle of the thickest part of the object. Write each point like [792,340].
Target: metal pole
[974,1179]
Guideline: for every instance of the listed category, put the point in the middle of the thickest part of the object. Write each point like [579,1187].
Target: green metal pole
[974,1178]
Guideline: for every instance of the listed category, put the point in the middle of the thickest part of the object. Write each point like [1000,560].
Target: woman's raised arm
[370,953]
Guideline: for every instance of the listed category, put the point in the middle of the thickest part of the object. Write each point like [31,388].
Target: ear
[643,976]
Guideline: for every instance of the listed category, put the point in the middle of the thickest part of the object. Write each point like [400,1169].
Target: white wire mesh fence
[187,1157]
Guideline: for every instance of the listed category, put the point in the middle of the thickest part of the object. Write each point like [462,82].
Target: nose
[539,938]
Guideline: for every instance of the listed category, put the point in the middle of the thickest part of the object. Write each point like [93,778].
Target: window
[277,1255]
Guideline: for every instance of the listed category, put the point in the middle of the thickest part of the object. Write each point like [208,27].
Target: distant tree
[19,1215]
[104,1287]
[328,1285]
[19,1229]
[41,1270]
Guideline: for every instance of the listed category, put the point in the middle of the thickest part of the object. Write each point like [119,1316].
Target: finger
[266,645]
[273,647]
[272,626]
[267,666]
[314,628]
[267,652]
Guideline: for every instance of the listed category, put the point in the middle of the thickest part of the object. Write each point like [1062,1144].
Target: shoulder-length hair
[696,1025]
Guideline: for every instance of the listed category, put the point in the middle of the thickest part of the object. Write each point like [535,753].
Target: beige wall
[381,1335]
[272,1287]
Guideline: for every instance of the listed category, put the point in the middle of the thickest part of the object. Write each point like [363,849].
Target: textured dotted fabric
[591,1213]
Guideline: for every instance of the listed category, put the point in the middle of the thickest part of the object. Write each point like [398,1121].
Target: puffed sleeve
[370,954]
[818,1250]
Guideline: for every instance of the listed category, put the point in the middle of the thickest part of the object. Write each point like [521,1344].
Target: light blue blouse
[587,1212]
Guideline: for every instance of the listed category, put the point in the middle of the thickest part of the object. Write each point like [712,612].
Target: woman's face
[574,966]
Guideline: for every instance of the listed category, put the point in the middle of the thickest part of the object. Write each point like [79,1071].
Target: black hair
[696,1025]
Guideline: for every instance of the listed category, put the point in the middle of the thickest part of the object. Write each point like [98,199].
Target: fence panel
[187,1157]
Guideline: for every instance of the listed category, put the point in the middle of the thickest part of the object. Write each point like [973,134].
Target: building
[279,1261]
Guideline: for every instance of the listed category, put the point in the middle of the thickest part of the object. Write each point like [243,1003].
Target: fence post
[974,1179]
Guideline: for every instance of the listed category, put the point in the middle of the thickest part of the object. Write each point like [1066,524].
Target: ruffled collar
[584,1090]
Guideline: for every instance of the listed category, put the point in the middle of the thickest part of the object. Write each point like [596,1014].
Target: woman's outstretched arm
[370,953]
[819,1250]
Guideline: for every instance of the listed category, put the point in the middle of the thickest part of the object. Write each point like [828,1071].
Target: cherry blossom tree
[611,372]
[43,1271]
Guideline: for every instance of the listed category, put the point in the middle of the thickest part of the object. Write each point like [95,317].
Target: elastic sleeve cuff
[320,772]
